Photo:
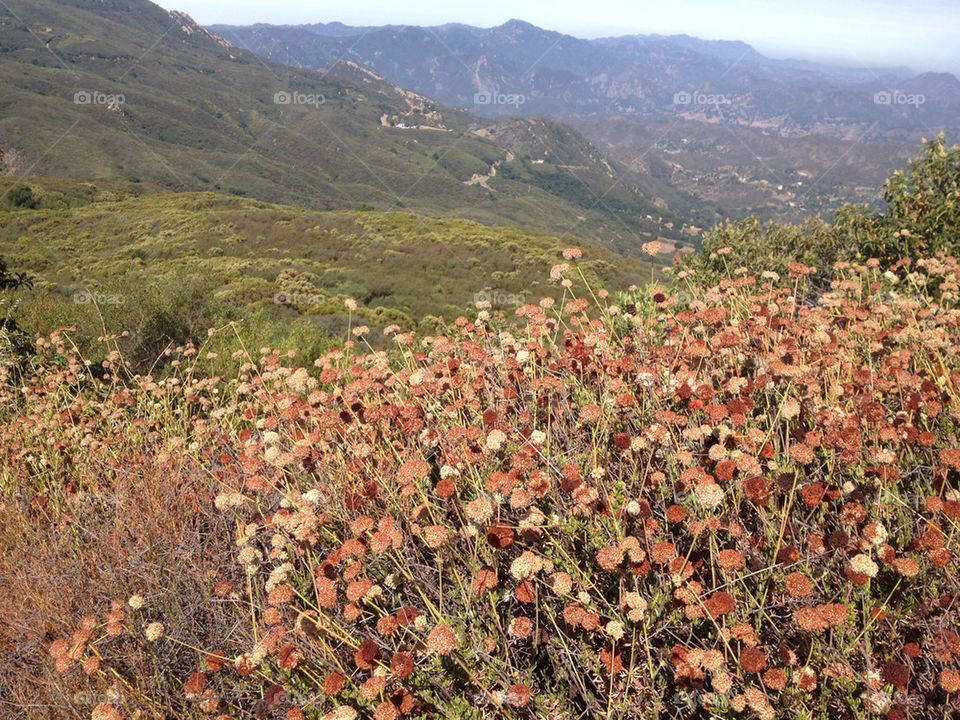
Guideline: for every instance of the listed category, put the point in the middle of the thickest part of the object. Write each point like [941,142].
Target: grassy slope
[239,253]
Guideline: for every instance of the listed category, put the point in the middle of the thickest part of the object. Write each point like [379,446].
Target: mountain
[518,68]
[122,90]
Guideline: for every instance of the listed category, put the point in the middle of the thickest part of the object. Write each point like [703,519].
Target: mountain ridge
[559,74]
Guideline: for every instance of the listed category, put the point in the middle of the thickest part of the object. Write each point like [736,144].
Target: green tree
[923,206]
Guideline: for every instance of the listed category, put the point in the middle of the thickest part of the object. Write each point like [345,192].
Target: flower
[730,559]
[135,601]
[105,711]
[614,629]
[609,558]
[435,536]
[651,248]
[798,584]
[441,640]
[520,627]
[153,631]
[518,695]
[864,564]
[950,680]
[709,494]
[495,439]
[343,712]
[525,566]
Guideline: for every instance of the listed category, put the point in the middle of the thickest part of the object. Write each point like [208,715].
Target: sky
[921,34]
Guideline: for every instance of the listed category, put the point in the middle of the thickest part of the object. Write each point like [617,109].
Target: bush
[21,196]
[923,208]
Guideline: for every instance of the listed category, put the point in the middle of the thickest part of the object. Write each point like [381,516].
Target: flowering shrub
[742,505]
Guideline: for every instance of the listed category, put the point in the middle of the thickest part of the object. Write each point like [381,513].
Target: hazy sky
[921,34]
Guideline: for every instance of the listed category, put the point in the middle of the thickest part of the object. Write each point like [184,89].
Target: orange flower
[610,558]
[105,711]
[730,560]
[753,660]
[520,627]
[435,536]
[441,640]
[518,695]
[663,552]
[950,680]
[280,595]
[798,584]
[485,580]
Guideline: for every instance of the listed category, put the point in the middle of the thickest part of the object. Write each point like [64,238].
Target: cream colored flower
[863,564]
[495,439]
[709,494]
[614,629]
[153,631]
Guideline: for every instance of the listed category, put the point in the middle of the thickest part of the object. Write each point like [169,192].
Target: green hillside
[169,265]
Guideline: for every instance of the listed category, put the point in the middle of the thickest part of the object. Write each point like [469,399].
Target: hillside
[137,249]
[125,91]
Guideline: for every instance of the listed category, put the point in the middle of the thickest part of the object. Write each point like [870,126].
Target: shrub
[21,196]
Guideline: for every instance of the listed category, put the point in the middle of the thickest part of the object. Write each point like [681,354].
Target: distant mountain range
[517,68]
[122,90]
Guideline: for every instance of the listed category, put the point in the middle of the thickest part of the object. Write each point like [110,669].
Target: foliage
[159,268]
[21,196]
[923,207]
[15,343]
